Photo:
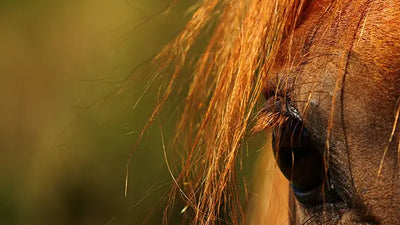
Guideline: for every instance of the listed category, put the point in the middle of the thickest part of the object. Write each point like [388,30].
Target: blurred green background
[67,110]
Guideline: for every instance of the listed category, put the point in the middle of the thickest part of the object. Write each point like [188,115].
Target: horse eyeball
[297,157]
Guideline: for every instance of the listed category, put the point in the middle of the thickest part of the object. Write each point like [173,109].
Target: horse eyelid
[277,103]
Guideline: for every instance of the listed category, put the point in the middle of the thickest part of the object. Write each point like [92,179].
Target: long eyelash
[267,119]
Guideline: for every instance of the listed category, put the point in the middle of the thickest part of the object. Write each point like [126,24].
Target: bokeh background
[70,112]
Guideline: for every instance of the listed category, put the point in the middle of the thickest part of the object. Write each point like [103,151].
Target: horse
[322,77]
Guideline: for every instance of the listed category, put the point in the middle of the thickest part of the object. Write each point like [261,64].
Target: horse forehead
[367,31]
[359,42]
[378,38]
[365,42]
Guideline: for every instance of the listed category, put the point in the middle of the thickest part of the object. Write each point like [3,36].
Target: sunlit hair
[225,86]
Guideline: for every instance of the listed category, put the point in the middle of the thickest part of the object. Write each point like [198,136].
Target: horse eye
[299,160]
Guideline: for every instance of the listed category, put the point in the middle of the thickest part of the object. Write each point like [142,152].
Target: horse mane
[225,85]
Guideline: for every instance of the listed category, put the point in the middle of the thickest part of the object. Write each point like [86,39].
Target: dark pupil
[296,155]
